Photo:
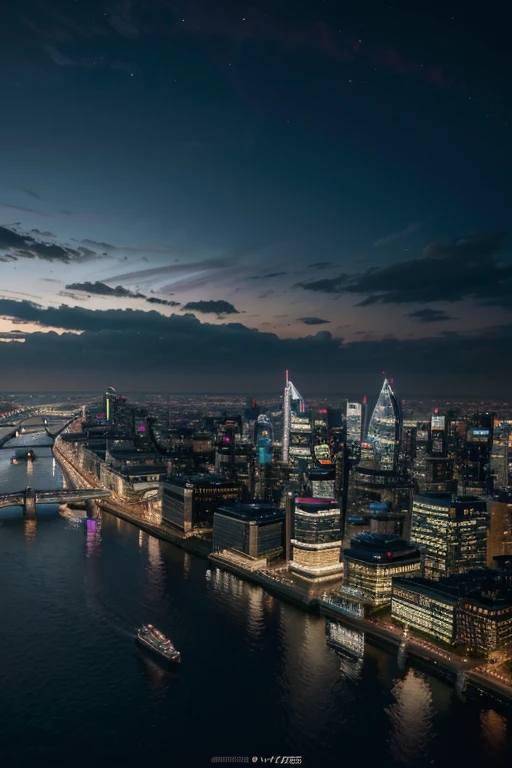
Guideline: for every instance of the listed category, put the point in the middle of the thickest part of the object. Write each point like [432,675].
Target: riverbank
[438,662]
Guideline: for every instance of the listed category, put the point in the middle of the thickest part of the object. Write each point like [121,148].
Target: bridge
[29,498]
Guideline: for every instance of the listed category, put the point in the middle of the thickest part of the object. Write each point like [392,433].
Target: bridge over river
[29,498]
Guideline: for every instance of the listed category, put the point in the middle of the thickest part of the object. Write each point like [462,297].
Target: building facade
[316,542]
[189,502]
[422,605]
[372,561]
[256,530]
[451,532]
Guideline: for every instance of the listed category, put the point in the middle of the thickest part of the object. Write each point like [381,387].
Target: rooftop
[485,586]
[257,512]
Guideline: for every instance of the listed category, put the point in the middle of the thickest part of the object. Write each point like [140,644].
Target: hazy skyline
[198,196]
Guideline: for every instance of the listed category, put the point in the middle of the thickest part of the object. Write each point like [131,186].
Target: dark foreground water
[257,678]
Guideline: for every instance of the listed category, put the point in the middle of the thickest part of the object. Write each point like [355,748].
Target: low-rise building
[472,609]
[425,606]
[190,501]
[256,530]
[371,562]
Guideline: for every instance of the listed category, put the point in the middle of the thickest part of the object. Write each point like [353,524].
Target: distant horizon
[247,395]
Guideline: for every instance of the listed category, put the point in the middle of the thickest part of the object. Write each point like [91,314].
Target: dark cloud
[468,268]
[18,244]
[326,285]
[29,192]
[320,265]
[313,321]
[211,307]
[270,275]
[429,315]
[128,341]
[23,209]
[101,289]
[162,302]
[173,269]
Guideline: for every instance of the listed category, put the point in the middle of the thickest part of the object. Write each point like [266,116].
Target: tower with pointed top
[385,430]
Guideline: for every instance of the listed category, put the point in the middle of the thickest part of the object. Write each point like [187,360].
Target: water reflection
[310,677]
[186,565]
[494,731]
[411,717]
[30,527]
[92,536]
[156,571]
[246,603]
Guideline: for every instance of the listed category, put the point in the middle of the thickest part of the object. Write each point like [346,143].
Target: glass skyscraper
[385,429]
[294,408]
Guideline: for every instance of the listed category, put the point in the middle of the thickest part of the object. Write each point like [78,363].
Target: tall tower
[293,403]
[354,423]
[385,429]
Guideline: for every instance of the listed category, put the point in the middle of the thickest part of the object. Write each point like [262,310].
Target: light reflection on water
[257,676]
[411,716]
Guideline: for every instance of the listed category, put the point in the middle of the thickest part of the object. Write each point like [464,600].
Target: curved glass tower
[384,431]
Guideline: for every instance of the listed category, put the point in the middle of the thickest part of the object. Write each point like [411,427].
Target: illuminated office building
[473,610]
[501,454]
[320,425]
[475,475]
[257,530]
[354,423]
[451,532]
[484,623]
[322,481]
[499,535]
[109,399]
[424,605]
[189,502]
[316,542]
[372,561]
[439,475]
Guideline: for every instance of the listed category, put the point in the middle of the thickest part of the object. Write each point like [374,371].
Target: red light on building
[388,554]
[436,411]
[364,400]
[323,410]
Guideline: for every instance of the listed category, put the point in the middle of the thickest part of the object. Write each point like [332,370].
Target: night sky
[197,195]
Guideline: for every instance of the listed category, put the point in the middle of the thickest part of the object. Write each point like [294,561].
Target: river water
[257,677]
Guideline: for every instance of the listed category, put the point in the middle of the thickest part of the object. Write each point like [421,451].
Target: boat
[23,454]
[155,642]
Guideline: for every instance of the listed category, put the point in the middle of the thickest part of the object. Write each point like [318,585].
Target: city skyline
[212,194]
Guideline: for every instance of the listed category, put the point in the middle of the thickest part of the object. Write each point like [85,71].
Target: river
[257,678]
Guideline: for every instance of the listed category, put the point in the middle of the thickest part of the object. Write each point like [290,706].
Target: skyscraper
[379,477]
[475,475]
[263,439]
[316,543]
[354,424]
[293,405]
[385,430]
[501,454]
[109,399]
